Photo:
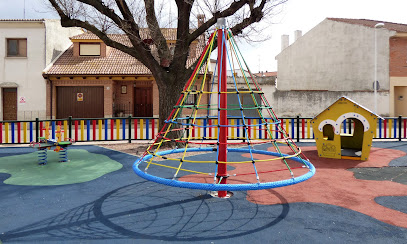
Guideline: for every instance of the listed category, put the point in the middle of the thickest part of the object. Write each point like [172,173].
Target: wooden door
[9,103]
[143,101]
[80,102]
[400,100]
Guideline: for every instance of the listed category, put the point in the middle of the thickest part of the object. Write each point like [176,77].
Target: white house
[28,46]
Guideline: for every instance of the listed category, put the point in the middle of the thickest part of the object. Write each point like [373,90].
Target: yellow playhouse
[330,136]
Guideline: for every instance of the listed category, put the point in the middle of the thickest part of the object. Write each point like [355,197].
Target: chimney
[284,41]
[201,19]
[297,34]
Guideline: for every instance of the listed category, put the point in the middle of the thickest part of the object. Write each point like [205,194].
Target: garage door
[80,102]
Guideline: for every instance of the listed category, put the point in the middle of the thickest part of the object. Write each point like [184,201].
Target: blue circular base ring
[224,187]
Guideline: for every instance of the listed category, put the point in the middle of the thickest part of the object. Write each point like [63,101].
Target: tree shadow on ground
[154,212]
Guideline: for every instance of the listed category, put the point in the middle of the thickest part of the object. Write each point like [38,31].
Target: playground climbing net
[203,122]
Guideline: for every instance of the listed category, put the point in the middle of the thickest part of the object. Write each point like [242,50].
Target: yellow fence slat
[199,122]
[100,128]
[117,129]
[232,123]
[308,129]
[141,128]
[24,132]
[82,129]
[65,129]
[6,125]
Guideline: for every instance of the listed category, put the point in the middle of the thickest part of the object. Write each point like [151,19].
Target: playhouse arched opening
[352,141]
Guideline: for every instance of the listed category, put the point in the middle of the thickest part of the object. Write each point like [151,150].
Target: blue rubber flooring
[121,207]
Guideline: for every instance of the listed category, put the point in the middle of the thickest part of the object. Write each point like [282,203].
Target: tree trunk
[169,93]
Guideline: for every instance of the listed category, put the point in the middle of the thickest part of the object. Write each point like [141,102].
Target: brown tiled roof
[115,63]
[371,23]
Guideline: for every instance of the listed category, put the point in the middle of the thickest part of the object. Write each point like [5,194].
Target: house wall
[311,103]
[337,56]
[105,82]
[398,105]
[57,38]
[398,75]
[112,92]
[25,72]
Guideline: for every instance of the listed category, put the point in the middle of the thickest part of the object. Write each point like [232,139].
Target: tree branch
[182,47]
[156,34]
[232,9]
[256,14]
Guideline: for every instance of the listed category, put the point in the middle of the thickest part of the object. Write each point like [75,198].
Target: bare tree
[131,17]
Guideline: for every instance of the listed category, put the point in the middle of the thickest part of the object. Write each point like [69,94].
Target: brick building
[337,58]
[92,80]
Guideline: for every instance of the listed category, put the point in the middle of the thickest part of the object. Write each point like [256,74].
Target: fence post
[129,120]
[70,127]
[37,129]
[298,128]
[399,127]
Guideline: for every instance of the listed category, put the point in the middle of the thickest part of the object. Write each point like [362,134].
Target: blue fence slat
[292,129]
[12,132]
[31,132]
[344,126]
[204,129]
[123,129]
[260,134]
[395,128]
[106,129]
[53,129]
[237,128]
[380,127]
[147,129]
[88,130]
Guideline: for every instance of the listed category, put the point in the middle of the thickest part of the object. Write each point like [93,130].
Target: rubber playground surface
[97,198]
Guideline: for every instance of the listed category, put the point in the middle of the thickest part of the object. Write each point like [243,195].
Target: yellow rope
[187,170]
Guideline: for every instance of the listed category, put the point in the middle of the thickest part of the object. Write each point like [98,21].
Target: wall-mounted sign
[22,100]
[79,97]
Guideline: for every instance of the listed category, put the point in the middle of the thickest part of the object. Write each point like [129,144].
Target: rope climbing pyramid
[218,147]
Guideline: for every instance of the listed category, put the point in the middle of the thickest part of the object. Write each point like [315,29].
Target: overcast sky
[297,15]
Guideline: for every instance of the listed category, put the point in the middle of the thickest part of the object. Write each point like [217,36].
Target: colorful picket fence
[131,128]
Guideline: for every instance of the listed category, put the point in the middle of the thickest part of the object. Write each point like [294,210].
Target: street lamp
[375,83]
